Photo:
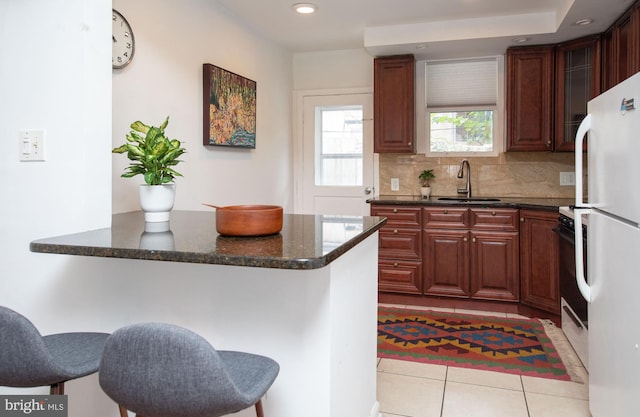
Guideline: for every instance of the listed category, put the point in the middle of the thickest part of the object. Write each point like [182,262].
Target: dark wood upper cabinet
[577,82]
[530,98]
[620,43]
[393,104]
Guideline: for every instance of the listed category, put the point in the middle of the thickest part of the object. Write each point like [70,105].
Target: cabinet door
[495,266]
[530,98]
[393,104]
[608,72]
[539,260]
[446,262]
[577,82]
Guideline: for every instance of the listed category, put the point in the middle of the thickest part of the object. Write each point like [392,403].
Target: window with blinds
[462,104]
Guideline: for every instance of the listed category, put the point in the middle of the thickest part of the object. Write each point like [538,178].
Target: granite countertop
[547,204]
[305,242]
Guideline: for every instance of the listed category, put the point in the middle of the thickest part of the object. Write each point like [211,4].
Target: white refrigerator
[612,127]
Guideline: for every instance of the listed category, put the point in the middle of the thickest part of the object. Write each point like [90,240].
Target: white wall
[331,70]
[173,40]
[55,74]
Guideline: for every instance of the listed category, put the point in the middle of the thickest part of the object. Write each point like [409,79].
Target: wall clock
[123,42]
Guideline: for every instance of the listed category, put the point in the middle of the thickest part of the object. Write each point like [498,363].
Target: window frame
[498,113]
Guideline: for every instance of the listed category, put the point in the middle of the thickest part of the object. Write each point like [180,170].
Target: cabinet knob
[409,143]
[521,219]
[465,239]
[395,231]
[549,142]
[473,240]
[446,212]
[395,210]
[493,213]
[395,264]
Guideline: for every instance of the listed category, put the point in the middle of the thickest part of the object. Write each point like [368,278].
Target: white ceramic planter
[156,201]
[425,192]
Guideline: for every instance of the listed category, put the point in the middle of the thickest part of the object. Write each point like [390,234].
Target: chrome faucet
[467,190]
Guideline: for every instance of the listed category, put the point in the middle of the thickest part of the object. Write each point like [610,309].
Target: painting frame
[229,108]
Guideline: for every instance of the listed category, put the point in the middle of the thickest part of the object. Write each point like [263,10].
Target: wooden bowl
[250,220]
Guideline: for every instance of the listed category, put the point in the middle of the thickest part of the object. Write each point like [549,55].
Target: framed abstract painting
[229,114]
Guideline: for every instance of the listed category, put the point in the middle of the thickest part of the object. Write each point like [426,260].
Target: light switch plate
[31,145]
[395,184]
[567,178]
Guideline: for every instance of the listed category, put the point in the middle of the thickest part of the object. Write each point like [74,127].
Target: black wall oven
[575,320]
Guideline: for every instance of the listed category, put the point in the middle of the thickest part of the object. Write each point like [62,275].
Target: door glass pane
[339,146]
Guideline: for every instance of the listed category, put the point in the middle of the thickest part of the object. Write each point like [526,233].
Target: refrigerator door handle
[583,286]
[584,127]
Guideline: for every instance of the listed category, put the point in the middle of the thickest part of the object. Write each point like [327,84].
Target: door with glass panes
[337,154]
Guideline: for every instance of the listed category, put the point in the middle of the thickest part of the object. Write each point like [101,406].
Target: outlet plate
[567,178]
[31,145]
[395,184]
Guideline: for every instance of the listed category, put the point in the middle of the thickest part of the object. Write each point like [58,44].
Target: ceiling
[429,29]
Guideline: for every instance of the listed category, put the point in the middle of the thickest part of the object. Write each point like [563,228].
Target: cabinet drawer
[400,243]
[445,218]
[398,216]
[494,219]
[400,277]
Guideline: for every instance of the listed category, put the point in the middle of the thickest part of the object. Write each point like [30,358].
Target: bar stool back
[28,359]
[162,370]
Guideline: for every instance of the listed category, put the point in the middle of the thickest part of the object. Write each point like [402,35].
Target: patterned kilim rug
[516,346]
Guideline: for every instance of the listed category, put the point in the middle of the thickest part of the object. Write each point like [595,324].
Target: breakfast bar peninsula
[306,297]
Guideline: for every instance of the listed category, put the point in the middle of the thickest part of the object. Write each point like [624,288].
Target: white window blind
[462,83]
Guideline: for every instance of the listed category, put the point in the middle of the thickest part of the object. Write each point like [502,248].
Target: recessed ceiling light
[520,40]
[305,8]
[583,22]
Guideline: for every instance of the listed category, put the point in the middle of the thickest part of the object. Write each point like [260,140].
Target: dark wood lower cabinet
[478,258]
[400,249]
[446,266]
[495,266]
[539,260]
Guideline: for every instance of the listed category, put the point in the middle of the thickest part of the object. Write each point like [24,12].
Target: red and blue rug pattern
[510,345]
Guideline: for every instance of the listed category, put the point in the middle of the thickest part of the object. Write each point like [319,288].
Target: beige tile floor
[409,389]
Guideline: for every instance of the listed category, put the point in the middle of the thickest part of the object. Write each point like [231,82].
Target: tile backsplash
[520,174]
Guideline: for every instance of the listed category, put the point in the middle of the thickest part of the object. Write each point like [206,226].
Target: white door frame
[298,140]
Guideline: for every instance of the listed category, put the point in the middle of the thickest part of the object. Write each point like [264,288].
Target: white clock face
[123,42]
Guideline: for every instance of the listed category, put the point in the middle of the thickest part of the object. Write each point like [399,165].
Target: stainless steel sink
[469,200]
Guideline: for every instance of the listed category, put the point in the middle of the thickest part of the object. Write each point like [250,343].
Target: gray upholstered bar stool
[162,370]
[28,359]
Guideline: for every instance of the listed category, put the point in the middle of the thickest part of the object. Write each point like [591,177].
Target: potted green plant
[154,156]
[424,177]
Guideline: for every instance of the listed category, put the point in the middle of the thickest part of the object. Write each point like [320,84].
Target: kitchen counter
[306,297]
[305,242]
[547,204]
